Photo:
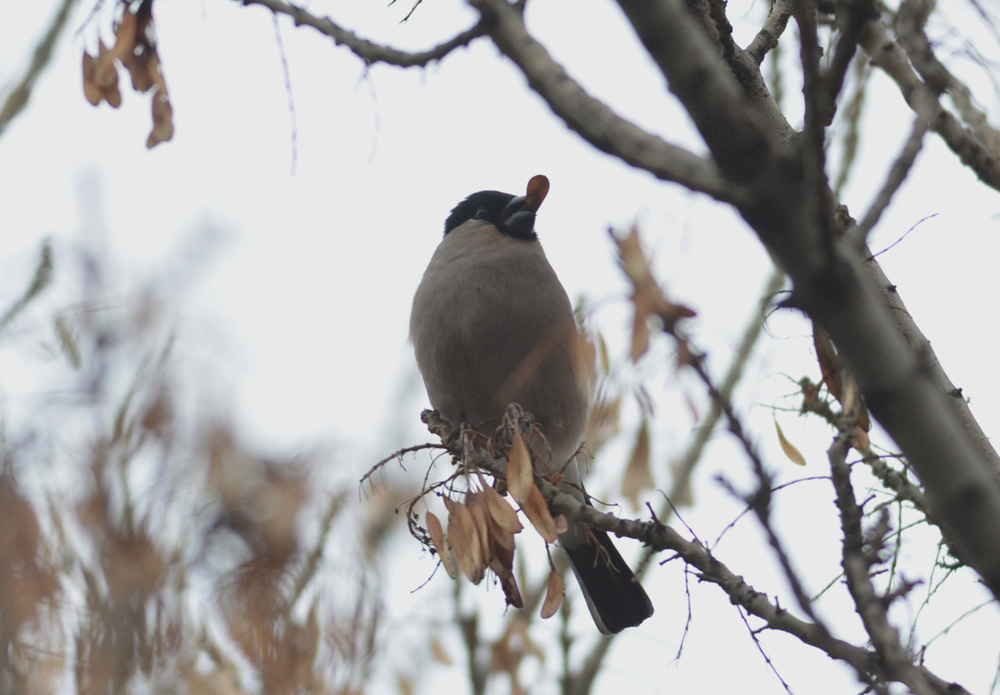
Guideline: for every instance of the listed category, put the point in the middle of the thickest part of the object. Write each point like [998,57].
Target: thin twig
[897,175]
[594,120]
[857,565]
[368,51]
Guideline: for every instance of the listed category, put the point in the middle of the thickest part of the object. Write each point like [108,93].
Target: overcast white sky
[300,314]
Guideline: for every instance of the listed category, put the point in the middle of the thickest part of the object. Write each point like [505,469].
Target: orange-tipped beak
[538,188]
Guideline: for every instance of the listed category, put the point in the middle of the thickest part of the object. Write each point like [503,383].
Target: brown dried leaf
[125,36]
[464,539]
[520,475]
[555,592]
[860,440]
[538,514]
[90,89]
[638,476]
[476,504]
[439,653]
[143,68]
[405,684]
[864,420]
[105,72]
[100,78]
[793,454]
[511,592]
[163,120]
[640,329]
[440,543]
[500,510]
[829,362]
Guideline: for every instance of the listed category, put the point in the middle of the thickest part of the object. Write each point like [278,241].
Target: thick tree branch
[368,51]
[893,60]
[837,282]
[698,75]
[594,120]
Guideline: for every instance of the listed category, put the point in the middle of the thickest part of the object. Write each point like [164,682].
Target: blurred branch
[40,280]
[910,21]
[851,19]
[897,175]
[369,51]
[594,120]
[17,98]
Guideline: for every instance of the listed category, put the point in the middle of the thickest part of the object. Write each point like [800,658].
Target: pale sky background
[297,320]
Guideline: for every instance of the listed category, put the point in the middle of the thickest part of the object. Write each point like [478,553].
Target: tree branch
[368,51]
[896,176]
[910,20]
[594,120]
[837,282]
[893,60]
[660,537]
[17,98]
[774,26]
[857,565]
[852,15]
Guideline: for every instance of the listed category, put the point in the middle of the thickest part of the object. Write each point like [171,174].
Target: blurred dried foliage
[145,547]
[134,49]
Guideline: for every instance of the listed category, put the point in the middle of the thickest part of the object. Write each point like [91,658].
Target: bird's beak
[518,218]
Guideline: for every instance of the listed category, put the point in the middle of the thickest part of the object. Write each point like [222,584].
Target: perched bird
[492,325]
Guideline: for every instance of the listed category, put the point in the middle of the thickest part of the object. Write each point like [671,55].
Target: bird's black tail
[615,597]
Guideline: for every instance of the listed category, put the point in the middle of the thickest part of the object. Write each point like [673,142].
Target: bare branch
[857,564]
[838,284]
[851,19]
[893,60]
[896,176]
[818,114]
[368,51]
[732,124]
[774,26]
[682,471]
[900,484]
[661,537]
[594,120]
[18,97]
[910,20]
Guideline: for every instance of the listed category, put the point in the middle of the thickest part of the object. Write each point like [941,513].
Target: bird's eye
[480,214]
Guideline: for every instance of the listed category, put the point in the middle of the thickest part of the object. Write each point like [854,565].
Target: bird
[491,325]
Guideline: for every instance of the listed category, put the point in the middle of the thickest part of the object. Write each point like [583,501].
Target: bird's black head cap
[503,210]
